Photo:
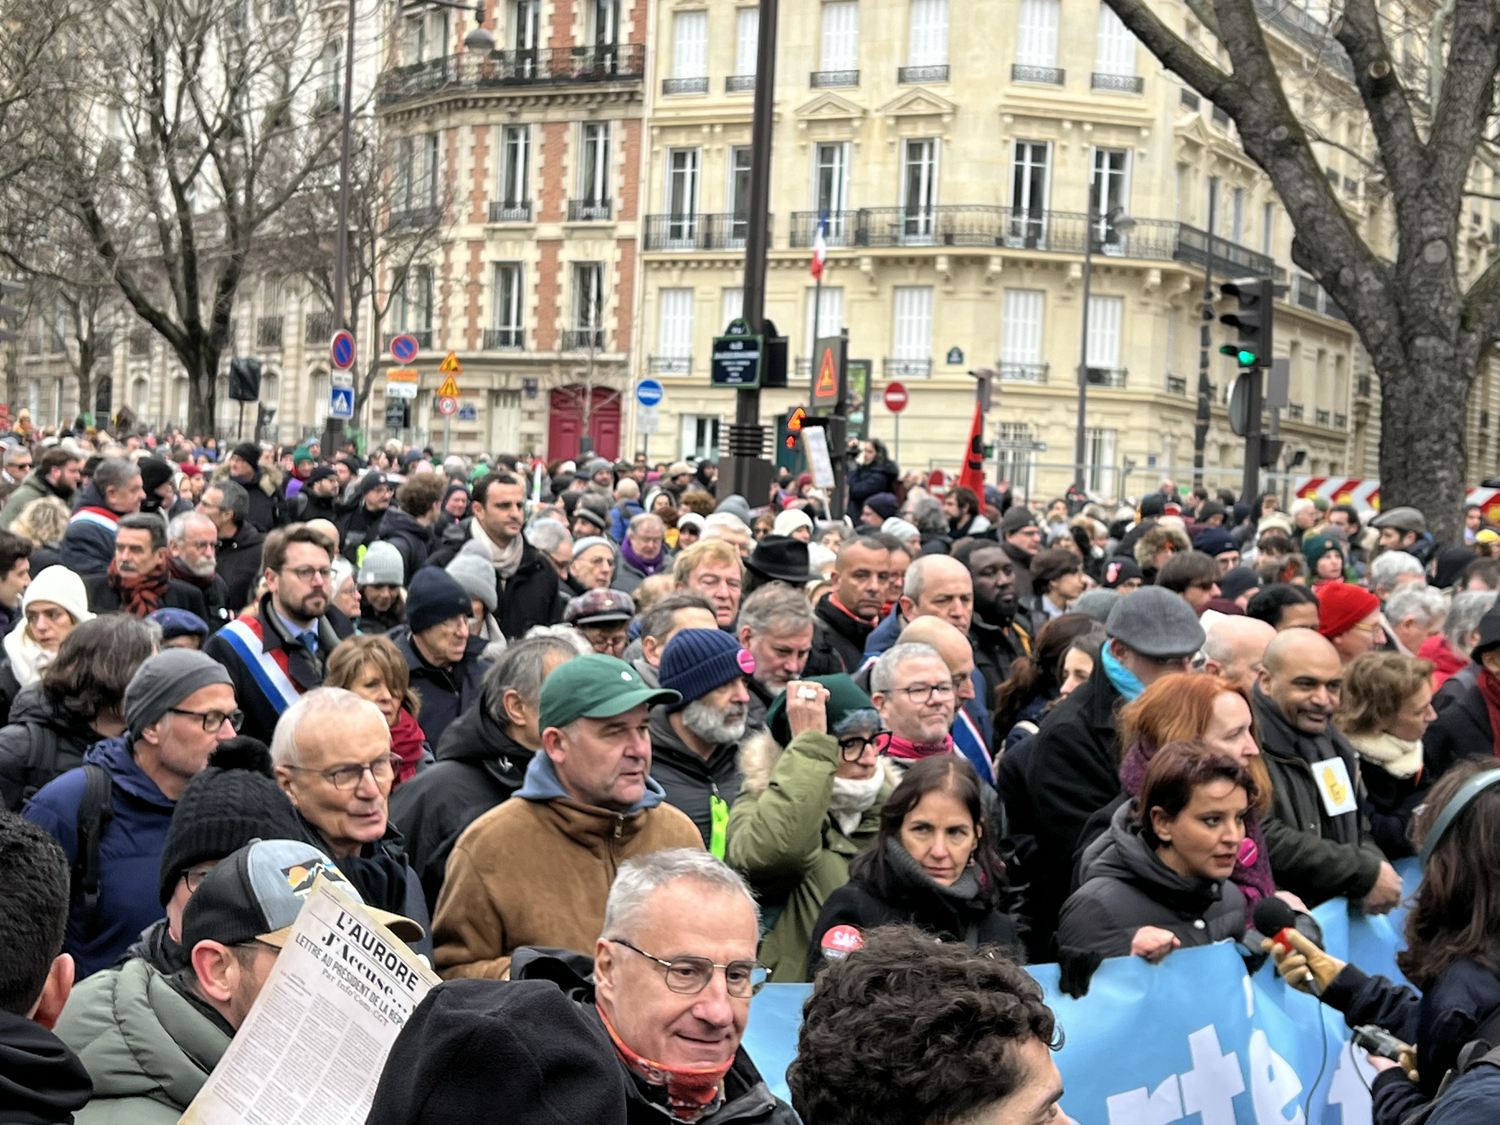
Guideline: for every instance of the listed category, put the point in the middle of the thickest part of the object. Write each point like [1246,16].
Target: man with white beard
[695,741]
[192,541]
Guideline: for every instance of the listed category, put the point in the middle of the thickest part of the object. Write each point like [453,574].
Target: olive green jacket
[147,1048]
[782,839]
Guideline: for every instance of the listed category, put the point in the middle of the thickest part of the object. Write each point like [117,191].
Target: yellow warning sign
[448,388]
[828,383]
[450,366]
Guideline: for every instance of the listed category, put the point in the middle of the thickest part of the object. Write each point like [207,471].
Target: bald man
[1318,836]
[1234,649]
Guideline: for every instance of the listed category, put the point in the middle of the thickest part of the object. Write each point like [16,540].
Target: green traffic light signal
[1243,356]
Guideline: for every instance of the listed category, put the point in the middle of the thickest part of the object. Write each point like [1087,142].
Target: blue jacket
[620,516]
[129,851]
[88,546]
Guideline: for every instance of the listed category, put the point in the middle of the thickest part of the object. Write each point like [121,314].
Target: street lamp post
[1118,223]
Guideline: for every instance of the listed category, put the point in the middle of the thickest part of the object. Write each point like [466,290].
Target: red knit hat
[1342,606]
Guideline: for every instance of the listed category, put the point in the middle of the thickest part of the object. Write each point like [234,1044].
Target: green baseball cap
[595,687]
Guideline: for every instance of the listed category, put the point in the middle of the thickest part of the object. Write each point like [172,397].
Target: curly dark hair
[908,1031]
[95,663]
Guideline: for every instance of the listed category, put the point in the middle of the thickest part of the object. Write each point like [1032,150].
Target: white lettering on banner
[1273,1083]
[1350,1088]
[1137,1107]
[1210,1087]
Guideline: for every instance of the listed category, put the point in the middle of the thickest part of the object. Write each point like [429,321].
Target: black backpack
[42,765]
[1476,1052]
[95,811]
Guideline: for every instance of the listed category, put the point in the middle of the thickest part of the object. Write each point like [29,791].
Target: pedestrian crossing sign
[341,402]
[449,387]
[450,366]
[828,383]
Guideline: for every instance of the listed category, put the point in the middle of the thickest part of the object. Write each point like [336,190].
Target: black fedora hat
[781,558]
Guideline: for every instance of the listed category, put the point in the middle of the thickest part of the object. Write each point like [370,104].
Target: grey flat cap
[1156,622]
[1402,519]
[1097,604]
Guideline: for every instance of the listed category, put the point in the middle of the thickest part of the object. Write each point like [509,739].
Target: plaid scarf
[139,594]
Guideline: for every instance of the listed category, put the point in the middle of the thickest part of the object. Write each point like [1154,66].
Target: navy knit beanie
[433,597]
[696,661]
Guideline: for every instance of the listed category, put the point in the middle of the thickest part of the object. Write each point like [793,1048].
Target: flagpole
[819,244]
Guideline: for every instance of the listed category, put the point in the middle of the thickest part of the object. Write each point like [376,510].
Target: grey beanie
[582,545]
[1097,604]
[164,681]
[476,576]
[1156,622]
[381,566]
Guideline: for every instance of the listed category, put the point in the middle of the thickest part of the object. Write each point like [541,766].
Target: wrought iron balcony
[824,79]
[268,332]
[140,343]
[899,368]
[622,62]
[697,232]
[669,364]
[319,328]
[507,211]
[1107,376]
[1117,83]
[932,73]
[697,85]
[423,335]
[1323,417]
[589,210]
[1294,412]
[414,218]
[1176,384]
[1046,75]
[582,340]
[1022,372]
[1341,421]
[739,83]
[504,339]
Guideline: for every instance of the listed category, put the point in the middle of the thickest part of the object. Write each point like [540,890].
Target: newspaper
[312,1048]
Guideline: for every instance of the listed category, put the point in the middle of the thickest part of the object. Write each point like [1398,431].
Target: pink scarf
[908,751]
[691,1090]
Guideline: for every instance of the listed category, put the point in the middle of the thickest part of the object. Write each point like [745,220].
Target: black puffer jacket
[838,643]
[413,541]
[692,782]
[880,475]
[963,912]
[530,597]
[1127,886]
[478,766]
[41,741]
[446,693]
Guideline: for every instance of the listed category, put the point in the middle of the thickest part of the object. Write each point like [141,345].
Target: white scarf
[27,658]
[1396,756]
[507,558]
[852,798]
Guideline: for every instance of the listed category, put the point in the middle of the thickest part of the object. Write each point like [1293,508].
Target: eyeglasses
[852,747]
[213,720]
[306,573]
[347,777]
[926,693]
[194,877]
[690,975]
[22,465]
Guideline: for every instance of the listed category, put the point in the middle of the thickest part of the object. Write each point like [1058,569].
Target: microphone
[1278,922]
[1274,918]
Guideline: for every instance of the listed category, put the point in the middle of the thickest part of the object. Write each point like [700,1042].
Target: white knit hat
[60,586]
[789,520]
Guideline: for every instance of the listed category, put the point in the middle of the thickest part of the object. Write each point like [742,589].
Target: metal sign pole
[447,431]
[897,456]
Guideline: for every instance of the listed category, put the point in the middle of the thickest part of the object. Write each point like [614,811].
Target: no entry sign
[895,397]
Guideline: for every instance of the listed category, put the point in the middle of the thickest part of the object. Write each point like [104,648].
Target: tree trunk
[1423,449]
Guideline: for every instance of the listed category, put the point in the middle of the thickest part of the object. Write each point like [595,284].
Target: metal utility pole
[749,472]
[1205,347]
[1080,436]
[333,428]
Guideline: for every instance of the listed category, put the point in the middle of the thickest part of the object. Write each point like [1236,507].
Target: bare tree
[593,373]
[189,127]
[1425,329]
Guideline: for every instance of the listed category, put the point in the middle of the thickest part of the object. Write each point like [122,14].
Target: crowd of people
[631,745]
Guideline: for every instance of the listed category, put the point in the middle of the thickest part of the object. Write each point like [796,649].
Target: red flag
[972,474]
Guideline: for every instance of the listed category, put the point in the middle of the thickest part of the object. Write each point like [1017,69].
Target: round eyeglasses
[691,975]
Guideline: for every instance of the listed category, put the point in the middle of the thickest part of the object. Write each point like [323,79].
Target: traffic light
[9,312]
[1251,320]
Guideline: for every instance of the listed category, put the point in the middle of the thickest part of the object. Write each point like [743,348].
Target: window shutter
[731,306]
[1104,331]
[674,332]
[830,314]
[1114,49]
[913,322]
[929,33]
[1036,35]
[841,35]
[690,45]
[746,39]
[1021,326]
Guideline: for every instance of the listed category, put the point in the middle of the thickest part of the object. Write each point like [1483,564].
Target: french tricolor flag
[820,246]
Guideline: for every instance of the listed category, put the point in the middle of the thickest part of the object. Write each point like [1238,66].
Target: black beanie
[154,473]
[432,597]
[232,801]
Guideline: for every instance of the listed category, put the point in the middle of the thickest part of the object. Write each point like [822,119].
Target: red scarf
[139,594]
[691,1090]
[909,751]
[1489,687]
[406,744]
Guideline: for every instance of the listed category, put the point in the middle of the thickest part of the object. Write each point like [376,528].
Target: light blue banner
[1194,1035]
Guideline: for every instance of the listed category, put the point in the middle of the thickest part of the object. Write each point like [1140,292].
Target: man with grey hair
[662,622]
[240,542]
[775,627]
[1460,635]
[481,759]
[913,691]
[1412,613]
[730,528]
[1391,569]
[137,582]
[643,551]
[1233,649]
[553,539]
[115,490]
[192,544]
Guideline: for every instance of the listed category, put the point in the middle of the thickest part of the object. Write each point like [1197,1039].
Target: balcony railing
[624,62]
[319,328]
[507,211]
[268,332]
[897,368]
[823,79]
[1107,376]
[140,342]
[1294,412]
[589,210]
[1023,372]
[697,85]
[933,73]
[1117,83]
[504,339]
[1322,417]
[414,218]
[739,83]
[582,340]
[1176,384]
[1046,75]
[669,364]
[423,335]
[697,232]
[1341,421]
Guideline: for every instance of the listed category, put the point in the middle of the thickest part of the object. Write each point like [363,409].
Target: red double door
[565,423]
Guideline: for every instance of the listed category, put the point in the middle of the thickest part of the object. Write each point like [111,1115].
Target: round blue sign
[648,392]
[341,352]
[404,348]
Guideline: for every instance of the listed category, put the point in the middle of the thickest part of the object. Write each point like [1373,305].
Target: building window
[509,303]
[927,44]
[830,315]
[1014,465]
[746,40]
[682,195]
[919,189]
[911,339]
[606,20]
[739,191]
[690,45]
[1099,457]
[1021,335]
[332,72]
[674,330]
[1267,229]
[412,298]
[1036,34]
[515,161]
[525,24]
[700,437]
[1109,190]
[588,302]
[1028,193]
[426,37]
[1214,218]
[1237,216]
[840,36]
[731,305]
[593,186]
[1114,45]
[1104,337]
[831,189]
